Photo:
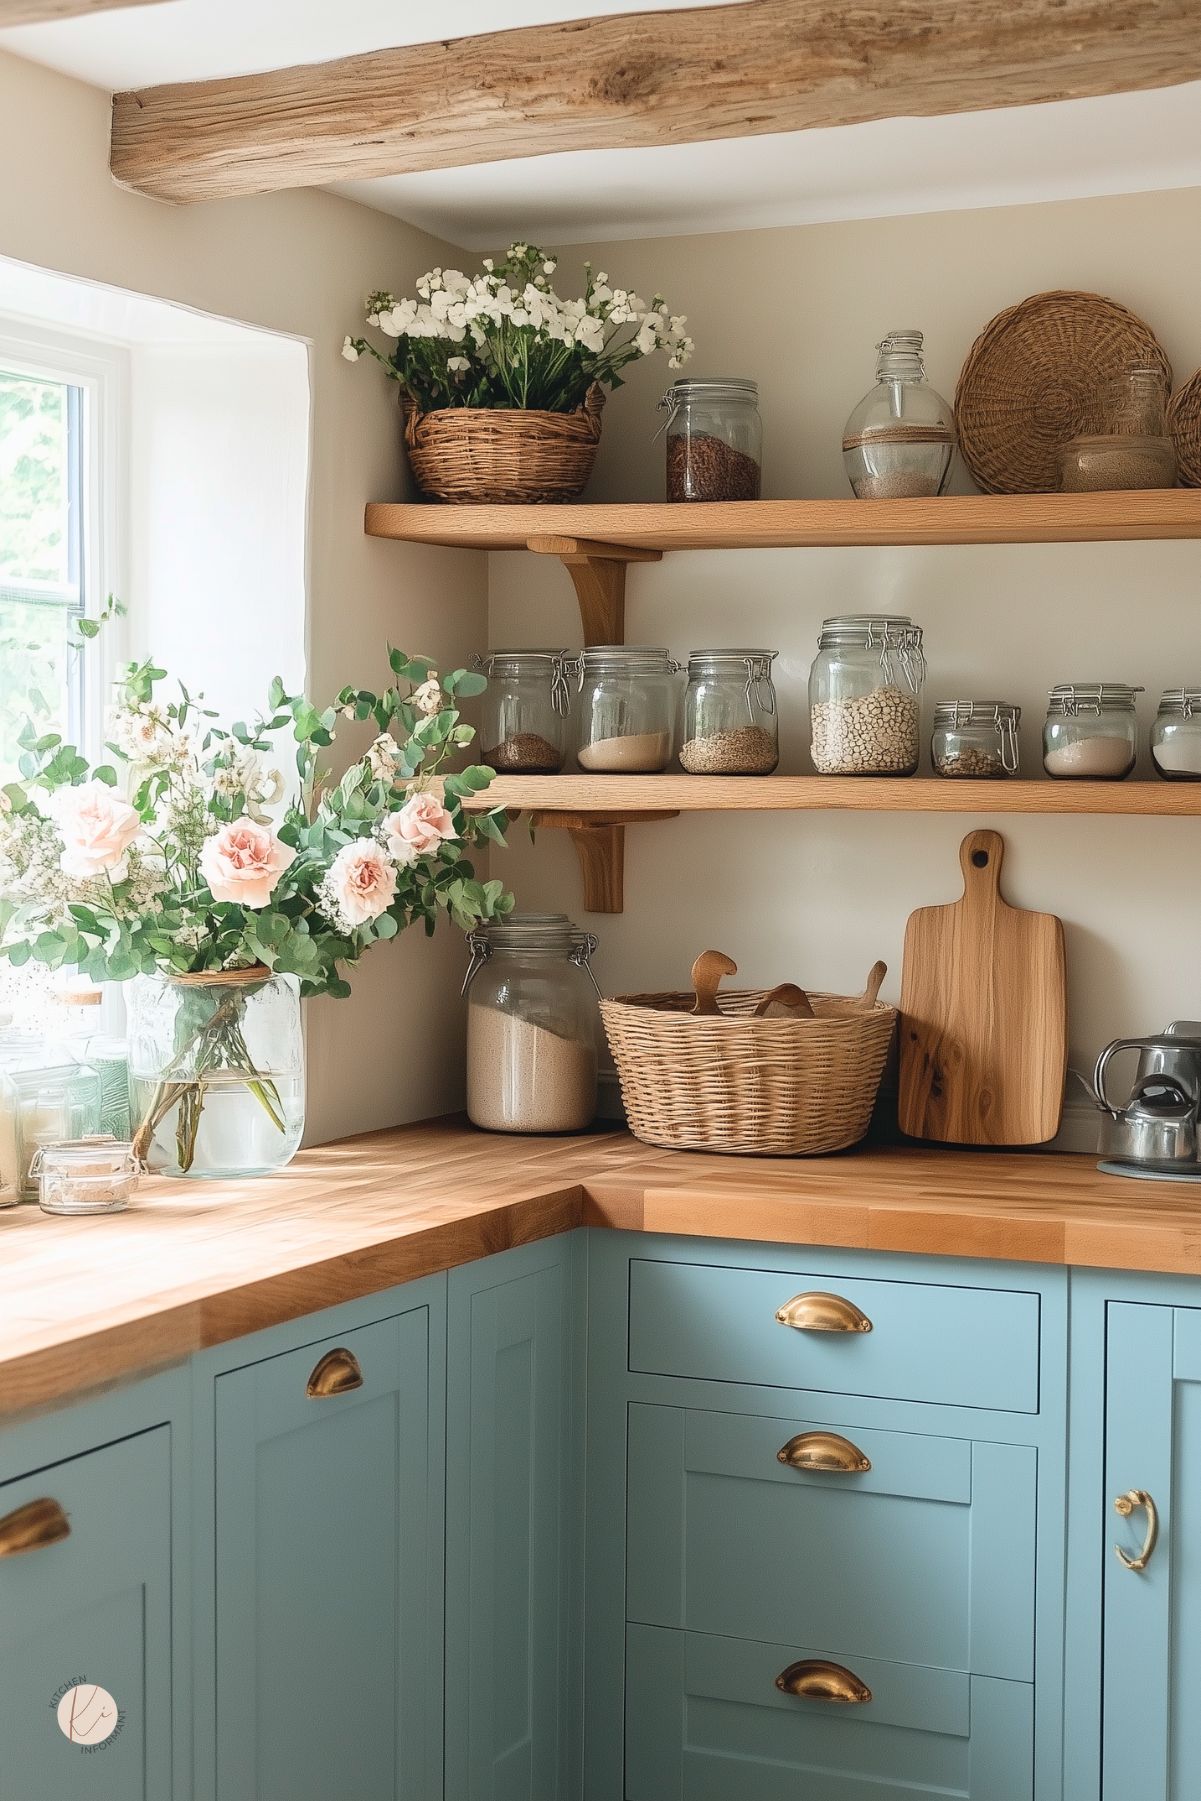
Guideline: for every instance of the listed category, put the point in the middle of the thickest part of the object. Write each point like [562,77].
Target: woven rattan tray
[1032,380]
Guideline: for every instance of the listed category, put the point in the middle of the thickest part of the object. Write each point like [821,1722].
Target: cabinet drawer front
[964,1347]
[927,1558]
[90,1613]
[705,1721]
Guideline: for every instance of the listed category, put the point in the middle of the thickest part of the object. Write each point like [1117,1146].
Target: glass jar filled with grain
[531,1025]
[730,720]
[899,441]
[1133,448]
[1176,735]
[975,738]
[714,439]
[627,709]
[1091,732]
[525,709]
[865,695]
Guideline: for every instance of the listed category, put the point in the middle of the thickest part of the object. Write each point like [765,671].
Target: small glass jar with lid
[865,695]
[975,738]
[524,712]
[1091,732]
[730,721]
[531,1025]
[714,439]
[899,441]
[1132,448]
[1176,735]
[45,1098]
[627,709]
[85,1175]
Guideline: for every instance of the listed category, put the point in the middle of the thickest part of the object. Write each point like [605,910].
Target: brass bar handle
[1126,1505]
[819,1312]
[826,1451]
[336,1373]
[814,1679]
[29,1528]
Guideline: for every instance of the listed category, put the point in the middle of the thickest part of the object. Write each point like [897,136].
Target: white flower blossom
[428,698]
[382,757]
[350,349]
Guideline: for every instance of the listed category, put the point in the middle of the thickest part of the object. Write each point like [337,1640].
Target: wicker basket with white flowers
[502,380]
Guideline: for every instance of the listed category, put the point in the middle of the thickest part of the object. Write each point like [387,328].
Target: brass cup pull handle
[29,1528]
[819,1312]
[336,1373]
[829,1452]
[813,1679]
[1126,1505]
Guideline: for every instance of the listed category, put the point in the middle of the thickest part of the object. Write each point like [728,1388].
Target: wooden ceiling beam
[36,12]
[636,80]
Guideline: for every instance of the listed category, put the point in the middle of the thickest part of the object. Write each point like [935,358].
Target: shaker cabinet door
[85,1627]
[1152,1617]
[328,1572]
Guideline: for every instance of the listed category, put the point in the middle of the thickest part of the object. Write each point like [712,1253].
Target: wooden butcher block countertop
[87,1301]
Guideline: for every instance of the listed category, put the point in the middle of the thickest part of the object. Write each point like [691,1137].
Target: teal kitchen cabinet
[327,1564]
[511,1645]
[86,1624]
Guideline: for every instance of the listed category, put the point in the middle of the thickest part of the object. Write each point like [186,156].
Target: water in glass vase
[217,1072]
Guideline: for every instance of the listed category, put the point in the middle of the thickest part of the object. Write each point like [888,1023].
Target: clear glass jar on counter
[1133,448]
[46,1098]
[714,439]
[86,1175]
[531,1025]
[627,709]
[730,721]
[865,695]
[975,738]
[1091,732]
[1176,735]
[899,441]
[524,711]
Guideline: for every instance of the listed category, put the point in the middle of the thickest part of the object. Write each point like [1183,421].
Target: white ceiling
[1125,143]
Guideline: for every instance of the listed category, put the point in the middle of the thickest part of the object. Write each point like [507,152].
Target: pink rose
[361,882]
[97,829]
[242,862]
[417,829]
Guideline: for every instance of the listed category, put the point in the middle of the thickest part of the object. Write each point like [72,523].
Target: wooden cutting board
[983,1014]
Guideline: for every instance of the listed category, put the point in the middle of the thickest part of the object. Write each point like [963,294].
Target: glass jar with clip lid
[865,695]
[731,725]
[714,439]
[1091,732]
[531,1025]
[1176,735]
[975,738]
[525,709]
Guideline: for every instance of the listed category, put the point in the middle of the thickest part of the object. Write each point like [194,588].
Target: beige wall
[818,898]
[297,263]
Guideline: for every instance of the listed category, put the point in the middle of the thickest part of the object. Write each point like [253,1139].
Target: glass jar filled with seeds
[714,439]
[627,709]
[730,720]
[1176,735]
[975,738]
[865,695]
[523,728]
[899,441]
[1091,732]
[1133,448]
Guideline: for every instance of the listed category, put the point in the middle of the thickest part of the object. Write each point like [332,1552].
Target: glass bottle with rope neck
[899,441]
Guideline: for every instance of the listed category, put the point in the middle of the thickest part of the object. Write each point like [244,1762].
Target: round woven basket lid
[1184,423]
[1032,382]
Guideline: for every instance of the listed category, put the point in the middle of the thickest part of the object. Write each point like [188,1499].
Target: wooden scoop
[785,1002]
[707,972]
[871,993]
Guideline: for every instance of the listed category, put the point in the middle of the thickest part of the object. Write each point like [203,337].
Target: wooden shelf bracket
[599,840]
[598,574]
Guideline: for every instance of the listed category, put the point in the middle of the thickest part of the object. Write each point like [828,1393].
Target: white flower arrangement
[505,338]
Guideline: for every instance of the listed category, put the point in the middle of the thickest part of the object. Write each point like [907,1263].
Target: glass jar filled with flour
[865,695]
[531,1025]
[1176,735]
[1091,732]
[627,709]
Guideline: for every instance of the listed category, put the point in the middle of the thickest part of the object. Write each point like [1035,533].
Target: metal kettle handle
[1111,1050]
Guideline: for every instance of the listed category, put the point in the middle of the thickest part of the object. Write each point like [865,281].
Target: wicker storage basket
[487,454]
[1032,382]
[1184,424]
[745,1086]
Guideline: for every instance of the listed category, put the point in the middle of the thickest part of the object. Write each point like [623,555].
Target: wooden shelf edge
[783,524]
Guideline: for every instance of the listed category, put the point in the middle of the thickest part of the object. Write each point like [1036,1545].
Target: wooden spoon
[707,972]
[870,994]
[785,1002]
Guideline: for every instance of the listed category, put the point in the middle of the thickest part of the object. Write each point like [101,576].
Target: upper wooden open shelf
[774,524]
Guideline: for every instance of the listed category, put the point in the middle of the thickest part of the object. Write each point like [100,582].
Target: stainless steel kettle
[1175,1053]
[1157,1128]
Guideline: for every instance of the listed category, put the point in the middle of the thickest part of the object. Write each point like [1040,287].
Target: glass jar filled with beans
[524,712]
[865,695]
[714,439]
[975,738]
[730,722]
